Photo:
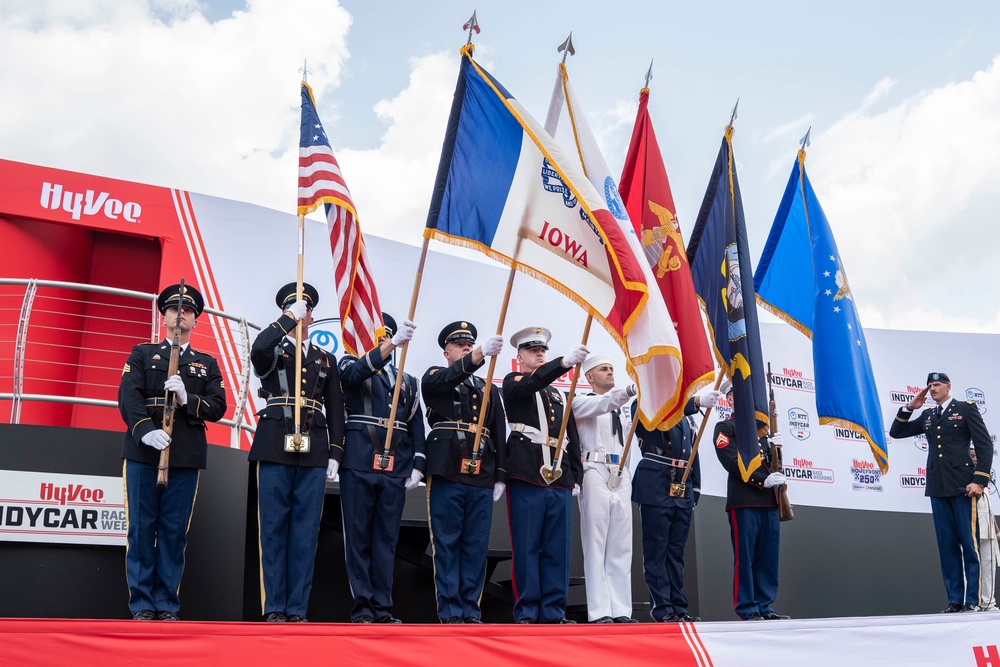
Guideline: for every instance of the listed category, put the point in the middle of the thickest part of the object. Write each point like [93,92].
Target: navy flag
[720,267]
[801,279]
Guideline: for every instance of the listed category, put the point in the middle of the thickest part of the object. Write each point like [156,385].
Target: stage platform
[939,640]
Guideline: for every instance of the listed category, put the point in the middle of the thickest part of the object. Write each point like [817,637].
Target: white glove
[576,490]
[709,399]
[157,439]
[492,346]
[405,333]
[498,490]
[774,479]
[332,467]
[175,384]
[414,480]
[297,309]
[775,440]
[575,356]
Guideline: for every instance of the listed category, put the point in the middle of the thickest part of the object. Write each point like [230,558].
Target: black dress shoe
[688,618]
[755,616]
[275,617]
[953,608]
[525,621]
[624,619]
[166,616]
[562,621]
[604,619]
[772,616]
[670,618]
[970,607]
[297,618]
[388,618]
[144,615]
[455,619]
[472,620]
[364,618]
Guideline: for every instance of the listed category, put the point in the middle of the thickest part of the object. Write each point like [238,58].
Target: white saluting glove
[492,346]
[575,356]
[331,469]
[414,480]
[175,384]
[576,490]
[405,333]
[709,399]
[775,440]
[297,309]
[157,439]
[774,479]
[498,489]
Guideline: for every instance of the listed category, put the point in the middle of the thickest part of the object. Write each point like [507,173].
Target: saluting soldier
[664,517]
[461,490]
[954,482]
[541,510]
[291,482]
[373,484]
[158,520]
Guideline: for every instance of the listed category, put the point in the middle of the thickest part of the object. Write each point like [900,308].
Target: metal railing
[95,328]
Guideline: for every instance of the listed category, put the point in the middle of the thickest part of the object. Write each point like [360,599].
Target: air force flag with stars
[505,188]
[801,279]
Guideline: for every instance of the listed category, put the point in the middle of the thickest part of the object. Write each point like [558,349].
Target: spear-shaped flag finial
[471,25]
[733,116]
[305,71]
[566,48]
[649,73]
[804,141]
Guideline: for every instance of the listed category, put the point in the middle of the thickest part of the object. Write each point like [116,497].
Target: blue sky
[902,97]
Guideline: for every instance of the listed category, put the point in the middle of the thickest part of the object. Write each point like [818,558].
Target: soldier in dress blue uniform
[954,482]
[753,520]
[158,520]
[291,484]
[373,486]
[665,518]
[460,497]
[541,511]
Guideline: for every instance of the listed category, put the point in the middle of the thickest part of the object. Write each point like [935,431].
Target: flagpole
[697,440]
[615,480]
[297,436]
[550,475]
[472,464]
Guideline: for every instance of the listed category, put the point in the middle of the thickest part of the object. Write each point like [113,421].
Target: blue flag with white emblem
[801,279]
[720,267]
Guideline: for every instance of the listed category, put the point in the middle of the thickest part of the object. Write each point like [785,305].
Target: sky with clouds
[203,95]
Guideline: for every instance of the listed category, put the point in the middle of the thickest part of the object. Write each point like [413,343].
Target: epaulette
[432,371]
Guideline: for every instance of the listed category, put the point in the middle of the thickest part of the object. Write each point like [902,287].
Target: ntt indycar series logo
[902,397]
[789,378]
[977,396]
[89,203]
[803,470]
[867,476]
[798,423]
[917,480]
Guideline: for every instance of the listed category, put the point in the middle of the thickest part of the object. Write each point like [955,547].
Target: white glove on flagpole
[709,399]
[575,356]
[492,346]
[297,309]
[405,333]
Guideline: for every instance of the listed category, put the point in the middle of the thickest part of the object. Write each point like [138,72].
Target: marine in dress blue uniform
[460,501]
[373,490]
[158,520]
[665,519]
[954,482]
[540,513]
[754,526]
[291,485]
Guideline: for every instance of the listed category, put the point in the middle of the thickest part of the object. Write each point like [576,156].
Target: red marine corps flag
[650,205]
[320,181]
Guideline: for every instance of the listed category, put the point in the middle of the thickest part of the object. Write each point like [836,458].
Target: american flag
[320,182]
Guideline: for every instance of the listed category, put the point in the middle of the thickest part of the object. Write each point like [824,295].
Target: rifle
[170,399]
[777,465]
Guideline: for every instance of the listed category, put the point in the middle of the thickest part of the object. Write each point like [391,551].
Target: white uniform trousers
[606,532]
[989,554]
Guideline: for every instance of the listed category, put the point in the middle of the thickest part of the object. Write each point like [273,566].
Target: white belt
[600,457]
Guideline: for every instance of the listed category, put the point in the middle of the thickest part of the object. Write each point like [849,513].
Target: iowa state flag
[801,279]
[720,267]
[505,188]
[663,386]
[650,204]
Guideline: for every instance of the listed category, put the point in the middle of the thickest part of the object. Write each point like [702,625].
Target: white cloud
[881,89]
[912,195]
[153,92]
